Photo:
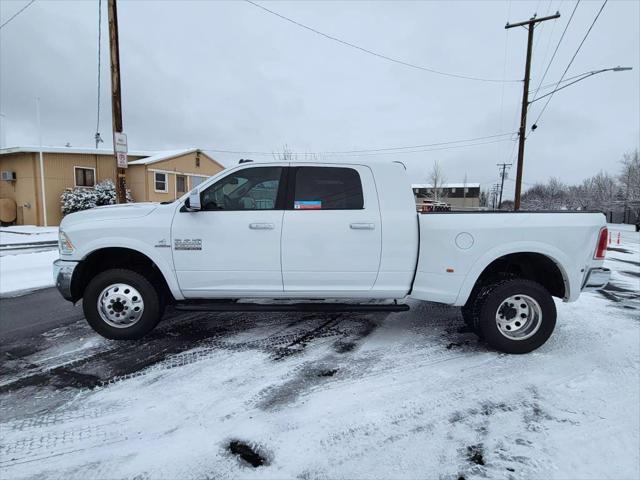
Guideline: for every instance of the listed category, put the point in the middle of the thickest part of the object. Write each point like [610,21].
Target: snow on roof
[78,150]
[447,185]
[160,156]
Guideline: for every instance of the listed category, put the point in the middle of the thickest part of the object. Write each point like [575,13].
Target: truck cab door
[231,247]
[331,236]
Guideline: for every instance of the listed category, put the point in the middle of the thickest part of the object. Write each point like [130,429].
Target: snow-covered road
[403,395]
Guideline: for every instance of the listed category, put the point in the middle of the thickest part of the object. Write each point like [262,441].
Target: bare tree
[437,180]
[605,190]
[630,177]
[464,190]
[286,155]
[546,196]
[483,200]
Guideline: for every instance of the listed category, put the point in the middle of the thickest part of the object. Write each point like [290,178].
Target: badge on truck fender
[187,244]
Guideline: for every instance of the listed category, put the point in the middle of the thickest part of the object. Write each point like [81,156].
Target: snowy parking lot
[403,395]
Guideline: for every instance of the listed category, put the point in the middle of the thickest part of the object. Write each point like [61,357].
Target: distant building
[458,195]
[151,176]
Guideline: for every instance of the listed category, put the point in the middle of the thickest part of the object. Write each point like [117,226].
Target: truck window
[327,188]
[248,189]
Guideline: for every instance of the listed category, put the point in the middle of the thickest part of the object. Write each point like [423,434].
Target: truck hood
[109,212]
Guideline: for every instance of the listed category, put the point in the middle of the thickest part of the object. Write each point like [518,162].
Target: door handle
[362,226]
[262,226]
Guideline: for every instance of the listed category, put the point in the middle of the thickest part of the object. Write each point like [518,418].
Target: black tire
[151,296]
[491,298]
[467,315]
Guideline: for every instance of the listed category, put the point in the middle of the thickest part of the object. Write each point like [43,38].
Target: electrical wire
[379,55]
[554,84]
[97,136]
[18,13]
[572,59]
[384,151]
[549,39]
[504,65]
[388,149]
[429,149]
[557,46]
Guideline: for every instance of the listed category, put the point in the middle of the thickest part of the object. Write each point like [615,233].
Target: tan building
[151,176]
[456,195]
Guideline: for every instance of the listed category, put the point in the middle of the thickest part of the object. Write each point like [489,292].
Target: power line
[555,84]
[18,13]
[421,146]
[97,136]
[572,59]
[504,66]
[430,149]
[383,151]
[549,41]
[541,27]
[379,55]
[557,46]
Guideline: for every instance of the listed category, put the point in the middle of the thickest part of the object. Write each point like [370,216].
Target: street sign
[120,142]
[122,159]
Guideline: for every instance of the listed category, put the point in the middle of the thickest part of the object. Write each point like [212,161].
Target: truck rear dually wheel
[516,315]
[122,304]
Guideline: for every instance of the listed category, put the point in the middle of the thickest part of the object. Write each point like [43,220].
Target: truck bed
[456,247]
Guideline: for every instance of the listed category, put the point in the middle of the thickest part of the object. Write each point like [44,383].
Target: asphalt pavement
[33,314]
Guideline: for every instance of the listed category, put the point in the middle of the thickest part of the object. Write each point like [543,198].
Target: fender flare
[132,244]
[560,259]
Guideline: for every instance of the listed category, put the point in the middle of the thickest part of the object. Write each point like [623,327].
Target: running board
[291,307]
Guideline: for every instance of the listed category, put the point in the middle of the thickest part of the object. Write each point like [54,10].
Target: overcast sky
[227,75]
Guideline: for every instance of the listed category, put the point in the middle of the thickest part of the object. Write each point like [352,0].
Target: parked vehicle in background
[317,234]
[432,206]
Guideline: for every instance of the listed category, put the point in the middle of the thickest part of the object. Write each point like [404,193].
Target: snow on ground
[19,234]
[25,269]
[333,396]
[627,232]
[25,272]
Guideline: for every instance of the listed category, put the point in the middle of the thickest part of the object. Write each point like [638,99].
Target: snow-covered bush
[82,198]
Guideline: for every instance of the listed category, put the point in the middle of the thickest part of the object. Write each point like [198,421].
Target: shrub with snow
[82,198]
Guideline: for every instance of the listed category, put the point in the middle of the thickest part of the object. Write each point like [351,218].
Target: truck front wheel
[516,315]
[122,304]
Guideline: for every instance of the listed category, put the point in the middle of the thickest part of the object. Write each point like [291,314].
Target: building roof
[78,150]
[161,156]
[149,157]
[447,185]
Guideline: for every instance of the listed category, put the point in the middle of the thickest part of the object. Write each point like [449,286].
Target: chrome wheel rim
[519,317]
[120,305]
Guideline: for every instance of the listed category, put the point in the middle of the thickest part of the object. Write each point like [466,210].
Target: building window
[85,177]
[160,181]
[327,188]
[181,185]
[198,160]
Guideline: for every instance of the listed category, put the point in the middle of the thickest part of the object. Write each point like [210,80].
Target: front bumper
[596,279]
[62,275]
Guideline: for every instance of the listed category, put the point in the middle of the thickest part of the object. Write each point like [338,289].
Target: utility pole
[503,174]
[529,25]
[116,103]
[494,195]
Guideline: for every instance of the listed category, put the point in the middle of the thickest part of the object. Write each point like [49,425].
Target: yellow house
[151,176]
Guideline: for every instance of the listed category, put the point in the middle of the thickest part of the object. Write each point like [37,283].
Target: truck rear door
[331,231]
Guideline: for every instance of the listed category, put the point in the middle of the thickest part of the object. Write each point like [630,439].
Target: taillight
[601,250]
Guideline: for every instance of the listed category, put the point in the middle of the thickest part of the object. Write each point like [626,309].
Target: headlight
[64,244]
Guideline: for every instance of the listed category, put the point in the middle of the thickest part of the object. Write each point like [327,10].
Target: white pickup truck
[309,236]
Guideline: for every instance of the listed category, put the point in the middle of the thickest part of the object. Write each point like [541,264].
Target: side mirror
[193,202]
